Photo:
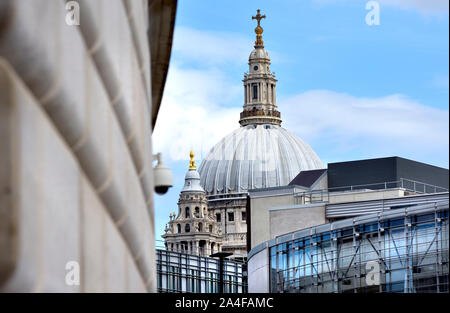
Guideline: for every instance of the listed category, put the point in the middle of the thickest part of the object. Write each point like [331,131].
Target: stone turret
[193,229]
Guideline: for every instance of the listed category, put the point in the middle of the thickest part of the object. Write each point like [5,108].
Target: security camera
[162,175]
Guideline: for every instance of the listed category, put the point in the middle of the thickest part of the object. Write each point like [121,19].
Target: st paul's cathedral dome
[260,153]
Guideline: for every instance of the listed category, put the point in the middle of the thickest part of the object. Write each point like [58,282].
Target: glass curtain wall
[408,254]
[179,272]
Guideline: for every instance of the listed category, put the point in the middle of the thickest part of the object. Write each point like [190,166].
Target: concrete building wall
[76,161]
[260,227]
[258,272]
[365,195]
[286,220]
[321,183]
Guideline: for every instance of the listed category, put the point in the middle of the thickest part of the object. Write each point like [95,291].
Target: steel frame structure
[186,273]
[404,250]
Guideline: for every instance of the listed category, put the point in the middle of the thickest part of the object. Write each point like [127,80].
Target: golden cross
[258,17]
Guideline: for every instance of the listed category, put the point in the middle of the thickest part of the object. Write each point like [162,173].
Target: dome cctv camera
[162,175]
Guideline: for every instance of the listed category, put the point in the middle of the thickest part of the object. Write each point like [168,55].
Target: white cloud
[201,106]
[194,114]
[216,48]
[210,47]
[200,103]
[391,125]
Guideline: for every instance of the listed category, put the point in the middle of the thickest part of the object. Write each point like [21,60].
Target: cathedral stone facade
[259,154]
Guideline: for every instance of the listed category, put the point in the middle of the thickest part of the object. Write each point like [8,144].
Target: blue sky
[352,91]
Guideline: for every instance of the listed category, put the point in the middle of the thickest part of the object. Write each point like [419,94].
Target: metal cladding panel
[301,233]
[361,172]
[257,249]
[374,171]
[284,238]
[323,228]
[422,172]
[378,206]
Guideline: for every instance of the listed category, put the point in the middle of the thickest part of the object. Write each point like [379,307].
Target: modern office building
[78,104]
[384,231]
[402,250]
[182,272]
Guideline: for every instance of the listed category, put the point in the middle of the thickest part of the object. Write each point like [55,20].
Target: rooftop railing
[408,185]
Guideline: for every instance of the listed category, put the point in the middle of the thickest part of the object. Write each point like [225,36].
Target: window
[245,93]
[178,228]
[273,97]
[218,217]
[231,216]
[200,227]
[187,228]
[244,215]
[187,213]
[197,212]
[210,228]
[255,91]
[193,275]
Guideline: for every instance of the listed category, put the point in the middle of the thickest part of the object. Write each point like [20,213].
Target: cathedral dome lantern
[259,85]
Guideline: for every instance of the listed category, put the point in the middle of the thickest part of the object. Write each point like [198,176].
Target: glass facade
[180,272]
[406,253]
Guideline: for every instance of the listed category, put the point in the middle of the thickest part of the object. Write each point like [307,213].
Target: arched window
[197,212]
[178,228]
[187,228]
[210,228]
[255,91]
[200,227]
[187,215]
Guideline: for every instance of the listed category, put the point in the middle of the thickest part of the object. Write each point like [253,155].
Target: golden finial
[258,30]
[192,163]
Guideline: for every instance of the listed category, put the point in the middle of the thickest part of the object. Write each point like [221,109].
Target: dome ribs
[256,156]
